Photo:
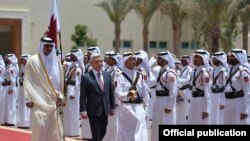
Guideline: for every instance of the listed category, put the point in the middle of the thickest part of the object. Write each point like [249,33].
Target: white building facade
[34,16]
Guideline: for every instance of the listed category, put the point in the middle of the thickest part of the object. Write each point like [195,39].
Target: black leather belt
[153,87]
[230,95]
[131,102]
[162,93]
[197,93]
[6,83]
[217,90]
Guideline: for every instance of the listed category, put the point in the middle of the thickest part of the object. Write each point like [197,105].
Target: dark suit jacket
[92,98]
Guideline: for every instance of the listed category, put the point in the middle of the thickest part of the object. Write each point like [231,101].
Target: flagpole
[65,86]
[60,42]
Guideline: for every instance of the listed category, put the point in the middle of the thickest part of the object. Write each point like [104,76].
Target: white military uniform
[10,103]
[199,103]
[131,116]
[154,72]
[2,72]
[23,112]
[115,70]
[71,110]
[182,107]
[200,100]
[217,97]
[166,92]
[112,128]
[219,77]
[237,93]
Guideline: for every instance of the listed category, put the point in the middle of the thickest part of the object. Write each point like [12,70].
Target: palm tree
[145,9]
[241,8]
[209,15]
[117,11]
[177,10]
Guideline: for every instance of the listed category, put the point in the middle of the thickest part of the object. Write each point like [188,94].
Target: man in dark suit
[97,99]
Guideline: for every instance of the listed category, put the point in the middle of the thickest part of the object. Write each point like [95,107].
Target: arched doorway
[10,36]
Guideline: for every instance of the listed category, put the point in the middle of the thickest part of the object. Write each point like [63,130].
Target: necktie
[100,82]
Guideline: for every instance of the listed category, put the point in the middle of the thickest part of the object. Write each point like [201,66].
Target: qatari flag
[54,22]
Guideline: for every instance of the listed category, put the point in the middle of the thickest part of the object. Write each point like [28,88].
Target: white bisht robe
[71,110]
[10,99]
[46,121]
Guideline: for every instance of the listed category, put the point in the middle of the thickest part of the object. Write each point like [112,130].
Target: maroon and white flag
[54,22]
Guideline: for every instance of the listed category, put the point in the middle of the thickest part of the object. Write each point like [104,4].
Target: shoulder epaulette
[223,69]
[204,69]
[242,68]
[118,70]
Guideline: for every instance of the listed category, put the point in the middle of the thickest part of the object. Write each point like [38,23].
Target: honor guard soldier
[105,60]
[166,91]
[248,59]
[154,70]
[114,63]
[2,72]
[237,89]
[23,112]
[142,66]
[131,92]
[67,62]
[10,85]
[200,81]
[219,76]
[73,81]
[182,107]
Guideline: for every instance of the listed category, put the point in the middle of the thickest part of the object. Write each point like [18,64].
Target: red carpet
[9,134]
[16,134]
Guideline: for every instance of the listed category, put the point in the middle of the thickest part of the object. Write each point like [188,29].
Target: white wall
[74,12]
